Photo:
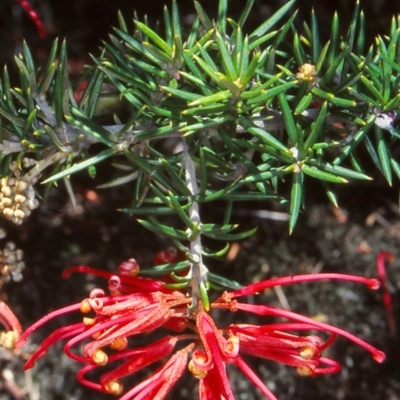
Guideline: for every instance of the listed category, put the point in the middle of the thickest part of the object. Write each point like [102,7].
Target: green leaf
[270,22]
[216,229]
[322,57]
[61,84]
[226,57]
[165,268]
[333,99]
[167,27]
[231,236]
[337,170]
[383,155]
[316,45]
[90,96]
[249,73]
[175,179]
[296,199]
[290,124]
[334,40]
[222,12]
[224,282]
[103,155]
[263,176]
[176,20]
[270,93]
[88,126]
[317,127]
[181,211]
[279,155]
[324,176]
[209,110]
[144,166]
[191,40]
[148,211]
[210,69]
[156,227]
[245,13]
[370,86]
[214,98]
[357,139]
[303,104]
[205,20]
[154,38]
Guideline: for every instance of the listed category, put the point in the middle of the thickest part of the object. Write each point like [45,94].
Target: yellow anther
[114,387]
[88,321]
[198,374]
[85,306]
[307,352]
[304,371]
[99,357]
[119,344]
[232,346]
[8,339]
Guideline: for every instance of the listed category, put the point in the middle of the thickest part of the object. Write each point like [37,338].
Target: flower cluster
[17,196]
[308,72]
[192,341]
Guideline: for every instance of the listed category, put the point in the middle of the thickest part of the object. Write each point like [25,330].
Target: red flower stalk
[140,305]
[34,17]
[387,298]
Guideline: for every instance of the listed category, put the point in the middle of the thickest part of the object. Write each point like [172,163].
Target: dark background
[345,240]
[85,22]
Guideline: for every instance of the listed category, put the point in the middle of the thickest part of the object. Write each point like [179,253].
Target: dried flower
[308,72]
[17,196]
[140,305]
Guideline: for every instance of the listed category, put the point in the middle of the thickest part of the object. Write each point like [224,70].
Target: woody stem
[198,270]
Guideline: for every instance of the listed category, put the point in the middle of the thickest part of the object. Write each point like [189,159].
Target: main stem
[198,270]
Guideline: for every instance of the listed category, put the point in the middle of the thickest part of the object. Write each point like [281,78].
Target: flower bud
[6,190]
[19,214]
[6,201]
[21,185]
[8,213]
[19,198]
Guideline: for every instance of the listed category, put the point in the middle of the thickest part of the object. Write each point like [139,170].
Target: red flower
[139,305]
[34,17]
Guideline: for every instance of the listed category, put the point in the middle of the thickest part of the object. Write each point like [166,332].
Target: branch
[198,270]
